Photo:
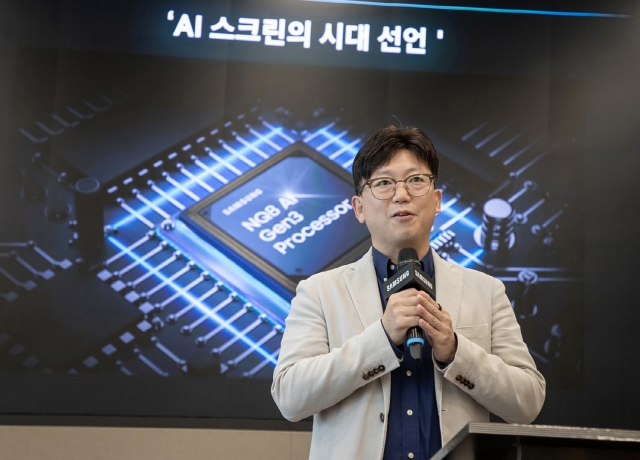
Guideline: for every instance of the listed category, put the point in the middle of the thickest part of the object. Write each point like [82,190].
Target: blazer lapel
[449,296]
[448,286]
[363,288]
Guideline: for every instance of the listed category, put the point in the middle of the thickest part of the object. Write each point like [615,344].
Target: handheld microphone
[410,275]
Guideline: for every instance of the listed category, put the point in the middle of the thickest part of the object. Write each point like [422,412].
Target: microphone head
[407,255]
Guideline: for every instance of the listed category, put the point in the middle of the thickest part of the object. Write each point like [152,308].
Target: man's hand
[401,314]
[437,326]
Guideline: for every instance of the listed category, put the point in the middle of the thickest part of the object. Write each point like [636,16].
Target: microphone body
[410,275]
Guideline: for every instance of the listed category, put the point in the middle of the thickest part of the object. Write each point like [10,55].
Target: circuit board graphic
[155,298]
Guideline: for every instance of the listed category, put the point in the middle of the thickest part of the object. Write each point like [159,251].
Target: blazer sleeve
[504,381]
[310,376]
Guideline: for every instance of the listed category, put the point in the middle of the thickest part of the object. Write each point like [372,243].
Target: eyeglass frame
[432,181]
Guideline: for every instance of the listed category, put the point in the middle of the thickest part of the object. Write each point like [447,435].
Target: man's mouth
[402,214]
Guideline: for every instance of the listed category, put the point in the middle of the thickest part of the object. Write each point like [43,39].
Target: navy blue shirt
[413,429]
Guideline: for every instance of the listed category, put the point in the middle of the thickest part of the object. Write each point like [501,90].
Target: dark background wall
[606,56]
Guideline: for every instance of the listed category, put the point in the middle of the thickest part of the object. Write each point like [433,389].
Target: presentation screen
[177,168]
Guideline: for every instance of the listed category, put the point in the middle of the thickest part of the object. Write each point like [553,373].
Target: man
[342,357]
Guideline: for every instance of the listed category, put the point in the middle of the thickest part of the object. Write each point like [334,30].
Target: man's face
[404,221]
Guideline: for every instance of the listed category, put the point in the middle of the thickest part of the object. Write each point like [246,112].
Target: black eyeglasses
[383,188]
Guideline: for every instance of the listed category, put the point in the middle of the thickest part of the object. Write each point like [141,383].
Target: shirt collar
[383,264]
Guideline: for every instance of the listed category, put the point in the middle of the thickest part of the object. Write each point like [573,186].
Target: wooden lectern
[501,441]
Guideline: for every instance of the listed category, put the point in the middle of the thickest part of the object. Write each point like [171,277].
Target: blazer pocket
[474,333]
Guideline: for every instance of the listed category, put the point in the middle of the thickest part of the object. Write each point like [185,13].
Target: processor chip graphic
[286,219]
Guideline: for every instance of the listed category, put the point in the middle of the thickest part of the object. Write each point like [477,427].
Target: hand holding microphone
[411,309]
[436,323]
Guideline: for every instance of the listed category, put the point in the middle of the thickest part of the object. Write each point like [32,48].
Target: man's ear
[356,202]
[438,195]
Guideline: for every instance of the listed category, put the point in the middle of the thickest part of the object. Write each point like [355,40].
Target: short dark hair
[382,146]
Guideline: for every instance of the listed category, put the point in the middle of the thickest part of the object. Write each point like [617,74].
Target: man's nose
[402,192]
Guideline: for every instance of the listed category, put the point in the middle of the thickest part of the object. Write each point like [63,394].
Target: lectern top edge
[553,431]
[567,435]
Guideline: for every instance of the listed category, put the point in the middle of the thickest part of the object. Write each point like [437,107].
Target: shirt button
[409,412]
[410,455]
[408,373]
[381,417]
[392,267]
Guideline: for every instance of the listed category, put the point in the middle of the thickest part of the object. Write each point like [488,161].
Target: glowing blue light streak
[434,235]
[332,140]
[475,9]
[211,260]
[279,131]
[452,212]
[267,140]
[340,151]
[201,307]
[273,132]
[337,141]
[468,260]
[315,134]
[245,150]
[174,192]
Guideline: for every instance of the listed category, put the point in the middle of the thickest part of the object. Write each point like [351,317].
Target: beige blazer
[334,337]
